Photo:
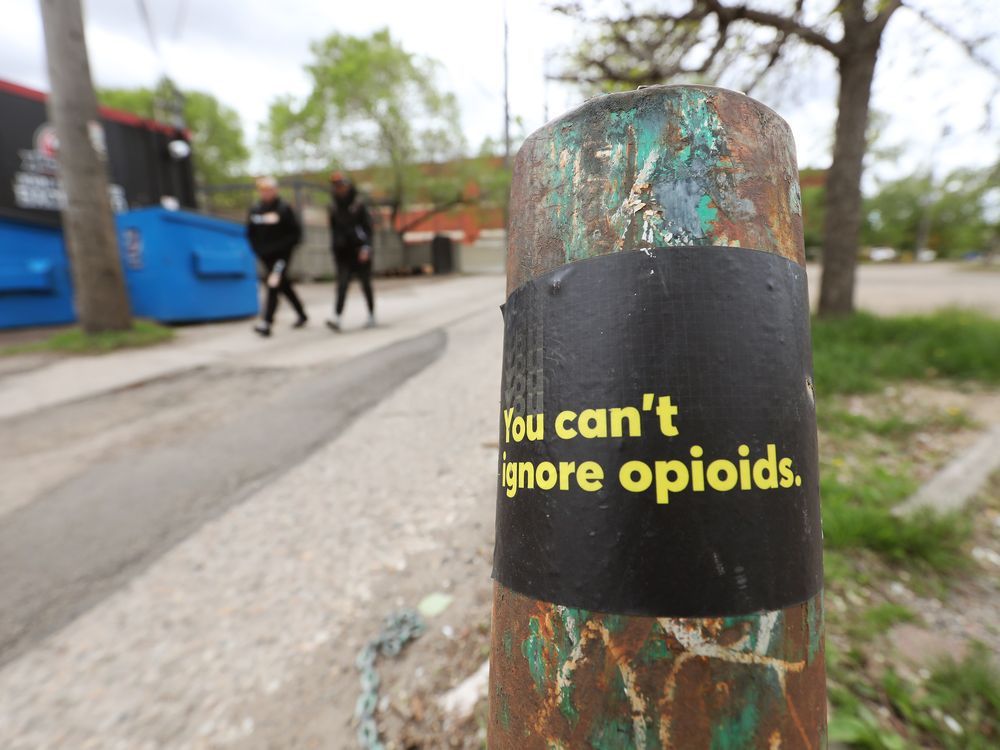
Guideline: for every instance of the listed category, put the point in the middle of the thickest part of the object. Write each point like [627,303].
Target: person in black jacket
[351,238]
[273,231]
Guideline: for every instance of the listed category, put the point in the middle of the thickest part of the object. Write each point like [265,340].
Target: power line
[506,94]
[173,103]
[147,21]
[182,7]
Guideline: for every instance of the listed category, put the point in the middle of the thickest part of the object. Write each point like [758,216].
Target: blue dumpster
[35,286]
[181,266]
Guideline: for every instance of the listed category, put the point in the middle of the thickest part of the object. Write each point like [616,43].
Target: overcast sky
[247,52]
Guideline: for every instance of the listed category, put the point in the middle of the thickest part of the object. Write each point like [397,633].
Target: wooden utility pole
[506,92]
[88,224]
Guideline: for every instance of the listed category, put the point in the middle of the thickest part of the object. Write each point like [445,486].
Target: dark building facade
[141,169]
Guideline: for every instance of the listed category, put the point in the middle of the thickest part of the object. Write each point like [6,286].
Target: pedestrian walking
[273,231]
[351,238]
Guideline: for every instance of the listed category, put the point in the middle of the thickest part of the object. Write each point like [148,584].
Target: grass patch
[958,706]
[879,619]
[969,691]
[841,423]
[860,728]
[857,512]
[75,341]
[870,447]
[837,569]
[857,354]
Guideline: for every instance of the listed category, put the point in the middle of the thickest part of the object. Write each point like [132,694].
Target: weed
[857,354]
[857,512]
[75,341]
[879,619]
[839,422]
[958,706]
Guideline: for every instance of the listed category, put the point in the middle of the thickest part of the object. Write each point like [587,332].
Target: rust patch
[655,682]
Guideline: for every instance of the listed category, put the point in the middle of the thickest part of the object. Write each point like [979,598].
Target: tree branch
[441,208]
[967,45]
[697,14]
[776,47]
[883,17]
[785,24]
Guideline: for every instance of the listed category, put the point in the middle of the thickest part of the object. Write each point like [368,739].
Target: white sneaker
[370,322]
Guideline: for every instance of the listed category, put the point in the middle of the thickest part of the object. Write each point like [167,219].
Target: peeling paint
[795,197]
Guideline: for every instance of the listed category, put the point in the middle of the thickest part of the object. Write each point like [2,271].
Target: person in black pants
[273,231]
[351,243]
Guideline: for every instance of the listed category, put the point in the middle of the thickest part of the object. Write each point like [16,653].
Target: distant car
[926,255]
[882,254]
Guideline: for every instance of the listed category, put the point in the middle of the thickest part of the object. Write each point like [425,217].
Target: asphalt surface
[82,540]
[913,288]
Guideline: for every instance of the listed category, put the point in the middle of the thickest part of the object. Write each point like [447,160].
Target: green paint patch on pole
[503,708]
[654,649]
[533,649]
[707,214]
[613,734]
[737,732]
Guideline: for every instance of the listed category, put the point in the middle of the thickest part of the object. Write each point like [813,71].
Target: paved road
[891,288]
[98,488]
[76,543]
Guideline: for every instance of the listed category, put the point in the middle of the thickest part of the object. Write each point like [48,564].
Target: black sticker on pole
[658,435]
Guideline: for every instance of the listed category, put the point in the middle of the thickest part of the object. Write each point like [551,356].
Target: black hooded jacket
[350,227]
[273,230]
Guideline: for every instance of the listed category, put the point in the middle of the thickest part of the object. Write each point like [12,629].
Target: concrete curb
[952,487]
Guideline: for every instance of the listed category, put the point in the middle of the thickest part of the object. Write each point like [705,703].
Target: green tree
[966,215]
[372,103]
[220,153]
[739,44]
[959,215]
[892,216]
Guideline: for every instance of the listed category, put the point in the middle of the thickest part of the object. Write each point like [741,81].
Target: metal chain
[398,628]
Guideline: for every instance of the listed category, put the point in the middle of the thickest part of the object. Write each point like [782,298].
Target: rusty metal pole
[671,171]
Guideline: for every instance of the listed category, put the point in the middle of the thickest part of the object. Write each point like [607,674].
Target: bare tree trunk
[842,224]
[99,286]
